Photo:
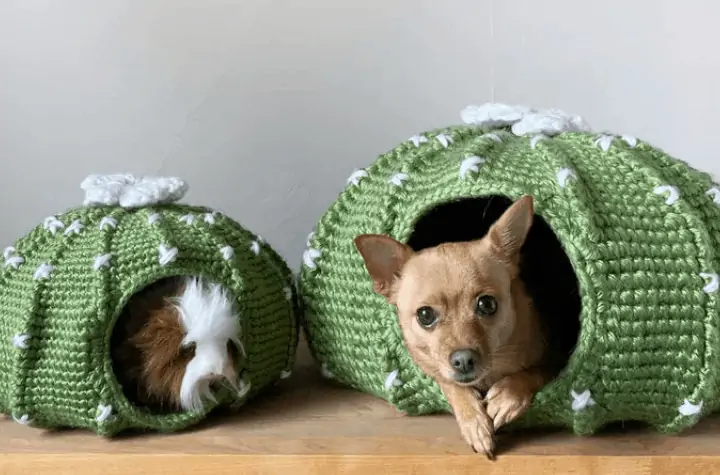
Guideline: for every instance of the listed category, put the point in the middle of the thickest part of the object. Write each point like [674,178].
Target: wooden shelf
[307,425]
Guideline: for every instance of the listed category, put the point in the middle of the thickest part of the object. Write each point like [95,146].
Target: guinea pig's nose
[464,361]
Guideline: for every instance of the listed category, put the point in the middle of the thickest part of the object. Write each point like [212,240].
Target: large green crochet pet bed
[641,229]
[64,284]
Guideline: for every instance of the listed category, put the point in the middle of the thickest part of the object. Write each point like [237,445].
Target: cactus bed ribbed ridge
[641,229]
[64,284]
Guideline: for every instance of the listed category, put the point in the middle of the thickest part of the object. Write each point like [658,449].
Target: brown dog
[467,320]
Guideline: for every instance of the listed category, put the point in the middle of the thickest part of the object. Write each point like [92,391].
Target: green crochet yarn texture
[641,229]
[56,322]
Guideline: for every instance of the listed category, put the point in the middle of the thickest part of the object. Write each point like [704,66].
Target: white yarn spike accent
[309,239]
[209,218]
[107,221]
[535,139]
[714,193]
[604,142]
[20,341]
[689,409]
[14,262]
[227,252]
[418,139]
[309,257]
[563,175]
[326,373]
[285,374]
[8,252]
[154,218]
[255,247]
[630,140]
[398,179]
[104,413]
[672,193]
[392,379]
[491,136]
[356,176]
[74,228]
[581,400]
[712,282]
[243,388]
[166,254]
[470,164]
[102,261]
[52,224]
[187,219]
[11,259]
[43,271]
[22,420]
[444,139]
[210,322]
[288,293]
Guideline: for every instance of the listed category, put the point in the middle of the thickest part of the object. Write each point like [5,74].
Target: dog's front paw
[478,432]
[508,399]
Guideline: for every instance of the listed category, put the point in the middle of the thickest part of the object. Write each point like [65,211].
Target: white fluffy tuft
[493,114]
[524,120]
[128,191]
[209,320]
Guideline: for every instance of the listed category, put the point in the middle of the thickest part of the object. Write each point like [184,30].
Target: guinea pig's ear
[384,259]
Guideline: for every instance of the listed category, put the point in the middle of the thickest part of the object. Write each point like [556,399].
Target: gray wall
[266,106]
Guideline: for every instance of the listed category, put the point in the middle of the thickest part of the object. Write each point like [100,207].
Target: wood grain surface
[307,425]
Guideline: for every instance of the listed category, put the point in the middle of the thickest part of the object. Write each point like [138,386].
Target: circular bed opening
[146,346]
[544,268]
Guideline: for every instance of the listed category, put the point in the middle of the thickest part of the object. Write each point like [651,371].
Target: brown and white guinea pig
[174,342]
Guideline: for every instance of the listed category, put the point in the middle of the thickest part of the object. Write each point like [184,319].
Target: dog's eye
[486,306]
[426,316]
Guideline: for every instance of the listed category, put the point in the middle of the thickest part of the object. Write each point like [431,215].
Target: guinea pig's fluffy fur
[173,342]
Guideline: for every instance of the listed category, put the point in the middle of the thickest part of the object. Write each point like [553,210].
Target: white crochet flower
[493,114]
[128,191]
[524,120]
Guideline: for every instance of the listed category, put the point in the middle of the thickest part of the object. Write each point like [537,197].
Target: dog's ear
[384,258]
[509,232]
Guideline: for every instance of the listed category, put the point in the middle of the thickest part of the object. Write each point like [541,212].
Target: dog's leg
[511,396]
[476,426]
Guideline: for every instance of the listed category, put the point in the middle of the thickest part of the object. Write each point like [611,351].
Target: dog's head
[454,301]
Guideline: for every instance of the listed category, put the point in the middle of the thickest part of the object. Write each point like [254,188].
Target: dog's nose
[464,361]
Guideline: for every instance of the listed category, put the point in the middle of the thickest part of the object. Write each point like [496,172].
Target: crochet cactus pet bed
[639,229]
[63,285]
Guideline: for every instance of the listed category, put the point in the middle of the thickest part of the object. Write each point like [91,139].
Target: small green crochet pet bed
[640,228]
[64,284]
